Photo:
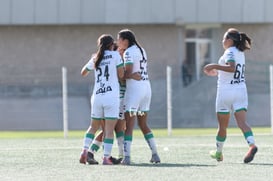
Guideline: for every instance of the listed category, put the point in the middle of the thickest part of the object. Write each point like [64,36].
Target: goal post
[169,100]
[65,103]
[271,96]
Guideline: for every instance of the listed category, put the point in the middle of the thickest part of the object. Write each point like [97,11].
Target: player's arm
[85,71]
[228,67]
[135,76]
[120,70]
[128,70]
[128,74]
[89,66]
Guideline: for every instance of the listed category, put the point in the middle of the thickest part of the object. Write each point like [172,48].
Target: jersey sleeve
[119,62]
[90,64]
[229,56]
[127,58]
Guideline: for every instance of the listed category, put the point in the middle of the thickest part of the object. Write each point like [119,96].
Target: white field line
[142,146]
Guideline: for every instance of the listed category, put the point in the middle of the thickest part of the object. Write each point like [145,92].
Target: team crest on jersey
[230,55]
[127,56]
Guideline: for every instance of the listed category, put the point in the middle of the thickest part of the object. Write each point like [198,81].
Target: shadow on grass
[170,165]
[260,164]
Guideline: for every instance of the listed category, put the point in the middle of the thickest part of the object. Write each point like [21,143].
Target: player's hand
[136,76]
[121,51]
[209,70]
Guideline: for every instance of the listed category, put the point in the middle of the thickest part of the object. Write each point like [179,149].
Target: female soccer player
[119,128]
[108,68]
[232,91]
[137,95]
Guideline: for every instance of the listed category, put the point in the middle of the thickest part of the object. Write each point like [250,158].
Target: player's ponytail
[105,42]
[130,36]
[240,39]
[245,43]
[140,50]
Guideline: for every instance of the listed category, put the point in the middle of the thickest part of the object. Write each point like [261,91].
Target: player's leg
[128,136]
[108,141]
[223,121]
[223,108]
[96,115]
[111,112]
[240,107]
[240,117]
[144,107]
[119,130]
[88,138]
[97,142]
[94,147]
[148,135]
[131,101]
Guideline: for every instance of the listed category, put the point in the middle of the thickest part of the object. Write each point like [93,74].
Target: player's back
[106,78]
[236,78]
[134,56]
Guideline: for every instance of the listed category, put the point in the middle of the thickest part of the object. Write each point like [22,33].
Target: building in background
[38,38]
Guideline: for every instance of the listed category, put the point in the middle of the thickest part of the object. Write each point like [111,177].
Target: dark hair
[105,41]
[241,40]
[130,36]
[115,46]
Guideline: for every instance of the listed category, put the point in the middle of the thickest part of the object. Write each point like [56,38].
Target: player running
[108,68]
[232,91]
[137,95]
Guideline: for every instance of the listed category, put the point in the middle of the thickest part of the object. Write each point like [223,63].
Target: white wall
[29,12]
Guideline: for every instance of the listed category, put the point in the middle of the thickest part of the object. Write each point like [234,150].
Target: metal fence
[39,106]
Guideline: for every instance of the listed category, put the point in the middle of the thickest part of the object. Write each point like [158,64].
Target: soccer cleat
[126,161]
[216,155]
[115,161]
[83,157]
[90,159]
[250,154]
[155,158]
[107,161]
[119,160]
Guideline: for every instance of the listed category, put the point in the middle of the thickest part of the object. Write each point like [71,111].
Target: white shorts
[104,107]
[138,98]
[228,100]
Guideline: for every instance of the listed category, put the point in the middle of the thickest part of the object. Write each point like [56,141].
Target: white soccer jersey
[231,89]
[228,79]
[138,93]
[106,86]
[132,55]
[106,78]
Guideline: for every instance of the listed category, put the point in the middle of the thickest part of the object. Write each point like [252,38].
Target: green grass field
[184,156]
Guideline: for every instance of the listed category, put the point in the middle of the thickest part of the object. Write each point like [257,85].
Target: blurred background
[38,38]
